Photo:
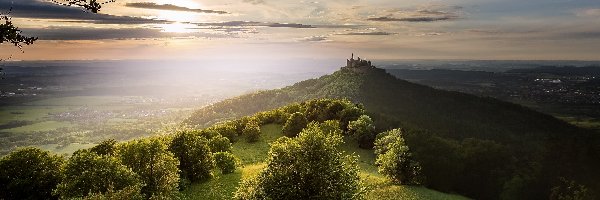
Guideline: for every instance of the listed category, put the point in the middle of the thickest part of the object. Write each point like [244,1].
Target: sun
[179,18]
[177,28]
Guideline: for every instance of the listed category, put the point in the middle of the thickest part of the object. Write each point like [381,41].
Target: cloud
[75,33]
[367,33]
[409,19]
[255,24]
[589,12]
[427,14]
[320,38]
[171,7]
[255,2]
[47,10]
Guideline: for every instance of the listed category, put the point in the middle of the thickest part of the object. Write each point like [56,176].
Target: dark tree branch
[90,5]
[10,33]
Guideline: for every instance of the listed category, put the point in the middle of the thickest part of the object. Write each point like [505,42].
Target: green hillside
[479,147]
[253,155]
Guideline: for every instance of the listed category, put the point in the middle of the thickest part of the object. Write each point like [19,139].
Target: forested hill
[479,147]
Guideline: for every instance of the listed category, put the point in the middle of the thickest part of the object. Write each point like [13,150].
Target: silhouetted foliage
[89,173]
[12,34]
[29,173]
[89,5]
[395,160]
[310,166]
[570,190]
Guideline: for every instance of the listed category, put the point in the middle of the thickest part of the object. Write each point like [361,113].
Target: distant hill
[478,147]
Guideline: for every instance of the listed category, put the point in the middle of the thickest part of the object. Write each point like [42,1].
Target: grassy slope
[252,156]
[530,136]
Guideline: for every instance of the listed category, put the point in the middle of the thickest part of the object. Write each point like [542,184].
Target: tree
[90,5]
[105,148]
[227,130]
[310,166]
[225,161]
[570,190]
[89,173]
[349,114]
[29,173]
[251,131]
[130,193]
[394,159]
[219,144]
[156,166]
[294,124]
[363,130]
[195,157]
[10,33]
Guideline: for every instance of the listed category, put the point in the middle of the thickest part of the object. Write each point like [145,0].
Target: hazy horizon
[263,29]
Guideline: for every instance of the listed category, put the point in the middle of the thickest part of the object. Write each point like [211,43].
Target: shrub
[310,166]
[130,193]
[194,155]
[294,124]
[225,161]
[87,172]
[252,131]
[29,173]
[349,114]
[156,166]
[219,144]
[363,130]
[394,159]
[227,130]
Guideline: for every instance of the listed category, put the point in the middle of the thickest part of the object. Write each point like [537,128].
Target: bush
[349,114]
[156,166]
[310,166]
[29,173]
[252,131]
[219,144]
[227,130]
[394,159]
[87,172]
[130,193]
[294,124]
[363,130]
[194,155]
[225,161]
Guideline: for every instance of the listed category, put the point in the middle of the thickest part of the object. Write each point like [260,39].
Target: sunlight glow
[180,16]
[177,28]
[183,3]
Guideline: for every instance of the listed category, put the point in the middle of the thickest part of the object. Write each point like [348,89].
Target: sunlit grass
[253,156]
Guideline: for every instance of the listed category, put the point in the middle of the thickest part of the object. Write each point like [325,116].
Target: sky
[318,29]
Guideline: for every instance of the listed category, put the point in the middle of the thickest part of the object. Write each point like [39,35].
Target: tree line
[158,167]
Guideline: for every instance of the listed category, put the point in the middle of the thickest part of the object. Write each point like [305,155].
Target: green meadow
[253,155]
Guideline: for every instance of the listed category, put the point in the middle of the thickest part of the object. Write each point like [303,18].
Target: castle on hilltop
[358,65]
[351,63]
